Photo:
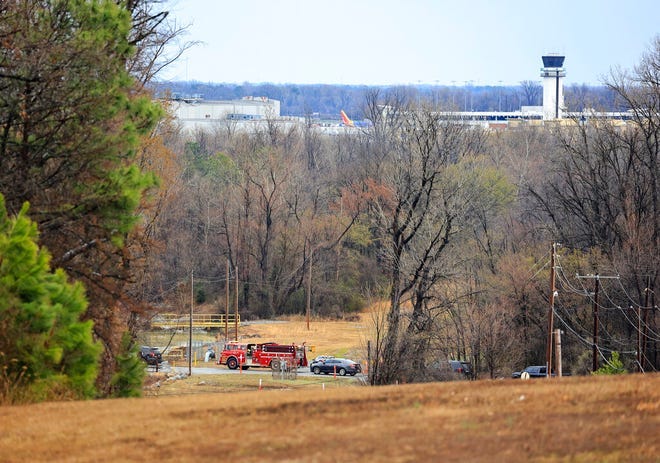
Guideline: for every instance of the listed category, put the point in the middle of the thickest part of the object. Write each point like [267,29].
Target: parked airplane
[345,119]
[349,123]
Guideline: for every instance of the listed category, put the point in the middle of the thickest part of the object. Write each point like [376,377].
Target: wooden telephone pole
[227,302]
[551,313]
[309,289]
[558,351]
[594,346]
[190,321]
[236,308]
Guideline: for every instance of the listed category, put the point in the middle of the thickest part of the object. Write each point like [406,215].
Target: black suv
[534,371]
[461,367]
[151,355]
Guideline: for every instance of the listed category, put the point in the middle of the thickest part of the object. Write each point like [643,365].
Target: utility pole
[647,290]
[227,302]
[338,255]
[639,339]
[368,357]
[236,308]
[558,351]
[594,346]
[192,301]
[309,287]
[551,313]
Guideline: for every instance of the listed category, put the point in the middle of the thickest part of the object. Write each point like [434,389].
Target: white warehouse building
[195,111]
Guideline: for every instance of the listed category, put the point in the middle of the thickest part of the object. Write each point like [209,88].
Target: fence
[168,321]
[178,355]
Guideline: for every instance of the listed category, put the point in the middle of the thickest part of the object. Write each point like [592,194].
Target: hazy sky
[450,42]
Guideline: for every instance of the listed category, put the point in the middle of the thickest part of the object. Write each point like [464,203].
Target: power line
[632,301]
[588,343]
[596,279]
[639,324]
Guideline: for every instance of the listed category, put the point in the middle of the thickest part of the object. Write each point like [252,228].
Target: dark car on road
[151,355]
[339,366]
[319,359]
[534,371]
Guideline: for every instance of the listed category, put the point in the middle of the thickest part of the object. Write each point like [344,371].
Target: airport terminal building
[254,113]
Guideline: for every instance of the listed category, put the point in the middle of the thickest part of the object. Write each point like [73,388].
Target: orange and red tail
[346,120]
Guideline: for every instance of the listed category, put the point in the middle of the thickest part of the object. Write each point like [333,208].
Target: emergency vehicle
[237,354]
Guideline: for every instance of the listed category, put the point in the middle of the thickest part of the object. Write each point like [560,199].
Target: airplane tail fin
[346,120]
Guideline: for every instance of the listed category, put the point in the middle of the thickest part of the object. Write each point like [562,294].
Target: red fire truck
[237,354]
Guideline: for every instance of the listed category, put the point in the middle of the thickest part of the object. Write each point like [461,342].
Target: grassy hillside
[588,419]
[256,418]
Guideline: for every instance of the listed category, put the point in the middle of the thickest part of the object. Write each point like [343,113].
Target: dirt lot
[590,419]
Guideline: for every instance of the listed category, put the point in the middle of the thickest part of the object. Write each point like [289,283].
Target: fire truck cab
[236,354]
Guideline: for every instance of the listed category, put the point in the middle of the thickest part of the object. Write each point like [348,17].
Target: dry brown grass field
[332,337]
[591,419]
[322,419]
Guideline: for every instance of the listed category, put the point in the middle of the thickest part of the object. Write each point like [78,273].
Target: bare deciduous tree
[421,203]
[603,188]
[157,40]
[531,93]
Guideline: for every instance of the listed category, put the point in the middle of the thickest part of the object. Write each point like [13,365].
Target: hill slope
[589,419]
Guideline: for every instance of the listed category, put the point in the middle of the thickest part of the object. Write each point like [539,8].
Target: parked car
[339,366]
[535,371]
[461,367]
[151,355]
[319,359]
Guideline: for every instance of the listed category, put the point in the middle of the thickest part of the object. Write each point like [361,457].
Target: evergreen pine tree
[47,351]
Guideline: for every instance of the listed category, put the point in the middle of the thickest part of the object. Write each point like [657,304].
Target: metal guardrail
[177,321]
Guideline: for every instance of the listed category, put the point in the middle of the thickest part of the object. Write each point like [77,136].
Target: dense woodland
[453,225]
[457,228]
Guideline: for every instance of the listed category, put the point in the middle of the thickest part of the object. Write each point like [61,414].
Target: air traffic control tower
[553,86]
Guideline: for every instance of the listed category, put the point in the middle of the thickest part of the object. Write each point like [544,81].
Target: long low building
[248,114]
[195,111]
[252,114]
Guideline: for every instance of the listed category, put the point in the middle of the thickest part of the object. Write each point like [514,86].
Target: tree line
[450,224]
[76,126]
[326,100]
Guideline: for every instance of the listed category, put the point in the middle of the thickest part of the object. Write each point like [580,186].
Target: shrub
[613,366]
[128,380]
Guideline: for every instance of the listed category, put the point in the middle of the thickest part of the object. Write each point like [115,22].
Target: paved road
[212,369]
